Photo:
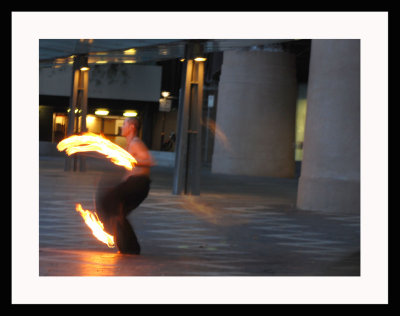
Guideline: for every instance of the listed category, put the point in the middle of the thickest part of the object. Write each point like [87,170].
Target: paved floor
[238,226]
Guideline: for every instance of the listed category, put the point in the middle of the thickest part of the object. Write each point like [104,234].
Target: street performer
[115,203]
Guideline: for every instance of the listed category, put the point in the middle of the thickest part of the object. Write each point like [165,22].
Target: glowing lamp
[131,51]
[130,113]
[165,94]
[101,112]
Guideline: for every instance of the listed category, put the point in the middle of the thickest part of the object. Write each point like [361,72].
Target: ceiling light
[130,113]
[200,59]
[165,94]
[131,51]
[101,112]
[82,61]
[163,51]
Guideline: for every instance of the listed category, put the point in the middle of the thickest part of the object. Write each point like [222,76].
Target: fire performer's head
[130,127]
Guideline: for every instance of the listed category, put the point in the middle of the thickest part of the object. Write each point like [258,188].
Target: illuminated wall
[301,109]
[108,126]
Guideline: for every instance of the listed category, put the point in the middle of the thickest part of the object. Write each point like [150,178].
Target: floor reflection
[98,263]
[56,262]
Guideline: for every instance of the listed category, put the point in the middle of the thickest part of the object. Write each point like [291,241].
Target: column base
[253,166]
[330,195]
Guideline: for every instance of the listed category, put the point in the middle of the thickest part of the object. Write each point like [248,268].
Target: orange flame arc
[93,142]
[92,221]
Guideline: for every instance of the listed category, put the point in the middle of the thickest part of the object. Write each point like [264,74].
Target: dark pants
[113,206]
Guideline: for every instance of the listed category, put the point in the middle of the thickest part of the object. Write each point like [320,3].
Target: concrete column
[188,145]
[330,176]
[255,121]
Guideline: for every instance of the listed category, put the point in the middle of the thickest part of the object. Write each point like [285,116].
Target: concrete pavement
[238,226]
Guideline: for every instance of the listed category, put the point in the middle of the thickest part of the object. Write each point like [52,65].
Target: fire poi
[92,142]
[91,219]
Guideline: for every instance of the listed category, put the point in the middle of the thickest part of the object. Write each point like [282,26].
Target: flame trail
[92,142]
[219,134]
[92,221]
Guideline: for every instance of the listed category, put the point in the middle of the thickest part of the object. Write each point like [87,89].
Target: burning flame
[93,142]
[97,227]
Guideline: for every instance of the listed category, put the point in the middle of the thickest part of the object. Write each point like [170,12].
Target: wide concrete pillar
[330,175]
[255,121]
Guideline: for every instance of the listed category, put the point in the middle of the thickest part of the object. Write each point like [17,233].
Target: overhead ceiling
[59,52]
